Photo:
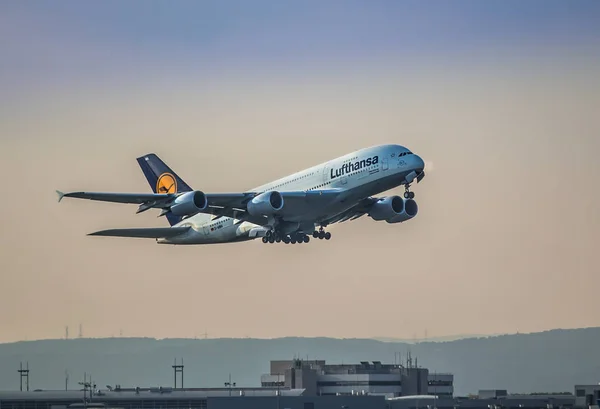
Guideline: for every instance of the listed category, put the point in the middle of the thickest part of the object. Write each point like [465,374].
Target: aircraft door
[206,229]
[326,173]
[384,164]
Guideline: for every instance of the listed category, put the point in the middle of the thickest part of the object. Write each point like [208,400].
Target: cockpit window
[405,153]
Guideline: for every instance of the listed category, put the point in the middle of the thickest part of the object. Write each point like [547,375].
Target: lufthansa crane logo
[166,183]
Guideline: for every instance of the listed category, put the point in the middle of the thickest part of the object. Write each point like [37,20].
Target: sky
[499,98]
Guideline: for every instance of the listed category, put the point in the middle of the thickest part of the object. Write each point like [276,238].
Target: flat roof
[173,394]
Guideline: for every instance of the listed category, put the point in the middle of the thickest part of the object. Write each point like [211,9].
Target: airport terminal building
[318,378]
[587,395]
[298,384]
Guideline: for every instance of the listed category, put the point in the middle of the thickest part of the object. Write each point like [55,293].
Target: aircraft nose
[419,163]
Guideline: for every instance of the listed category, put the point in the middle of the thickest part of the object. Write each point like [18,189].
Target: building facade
[587,396]
[367,378]
[440,384]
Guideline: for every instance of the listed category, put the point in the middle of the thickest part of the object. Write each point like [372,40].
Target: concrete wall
[509,403]
[301,402]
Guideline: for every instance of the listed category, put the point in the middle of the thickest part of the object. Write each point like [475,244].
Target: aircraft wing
[146,233]
[220,204]
[294,201]
[138,198]
[356,211]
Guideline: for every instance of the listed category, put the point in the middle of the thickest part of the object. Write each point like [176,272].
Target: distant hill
[434,339]
[538,362]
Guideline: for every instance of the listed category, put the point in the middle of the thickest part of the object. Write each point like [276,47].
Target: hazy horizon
[500,99]
[207,336]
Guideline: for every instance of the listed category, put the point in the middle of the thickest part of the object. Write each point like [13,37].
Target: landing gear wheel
[286,239]
[407,193]
[278,239]
[265,239]
[327,236]
[306,238]
[321,235]
[271,239]
[293,240]
[315,234]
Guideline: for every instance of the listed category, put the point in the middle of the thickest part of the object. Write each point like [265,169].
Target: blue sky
[45,42]
[274,26]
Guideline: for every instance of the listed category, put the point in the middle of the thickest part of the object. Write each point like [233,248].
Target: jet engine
[189,203]
[265,204]
[410,210]
[393,209]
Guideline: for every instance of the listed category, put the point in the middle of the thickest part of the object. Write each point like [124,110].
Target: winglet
[60,195]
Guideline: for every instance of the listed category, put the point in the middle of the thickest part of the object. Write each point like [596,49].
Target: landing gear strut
[407,193]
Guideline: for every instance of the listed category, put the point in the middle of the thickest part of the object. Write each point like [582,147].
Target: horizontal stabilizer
[115,197]
[145,233]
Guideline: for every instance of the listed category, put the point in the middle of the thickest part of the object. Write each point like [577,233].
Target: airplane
[288,210]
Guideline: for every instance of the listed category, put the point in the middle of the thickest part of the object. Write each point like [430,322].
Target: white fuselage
[357,174]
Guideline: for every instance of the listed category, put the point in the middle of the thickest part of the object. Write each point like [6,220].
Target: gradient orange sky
[506,238]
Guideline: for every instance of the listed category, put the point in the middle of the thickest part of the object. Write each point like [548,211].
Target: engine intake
[410,210]
[189,203]
[265,204]
[394,209]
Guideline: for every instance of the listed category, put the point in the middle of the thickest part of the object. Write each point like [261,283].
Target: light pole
[229,384]
[85,385]
[278,391]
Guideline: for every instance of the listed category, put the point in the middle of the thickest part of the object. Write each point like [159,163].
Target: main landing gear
[321,234]
[274,237]
[407,193]
[294,238]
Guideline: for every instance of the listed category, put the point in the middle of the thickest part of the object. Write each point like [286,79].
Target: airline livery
[288,210]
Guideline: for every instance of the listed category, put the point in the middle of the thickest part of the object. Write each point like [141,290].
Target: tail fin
[162,179]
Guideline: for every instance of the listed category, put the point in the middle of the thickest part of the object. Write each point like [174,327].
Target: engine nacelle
[394,209]
[387,208]
[265,204]
[410,210]
[189,203]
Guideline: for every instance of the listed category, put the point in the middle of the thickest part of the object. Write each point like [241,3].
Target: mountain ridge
[522,363]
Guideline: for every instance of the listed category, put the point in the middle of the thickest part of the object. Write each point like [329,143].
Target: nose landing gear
[407,193]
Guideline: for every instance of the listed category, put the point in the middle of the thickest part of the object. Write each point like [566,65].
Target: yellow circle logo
[166,184]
